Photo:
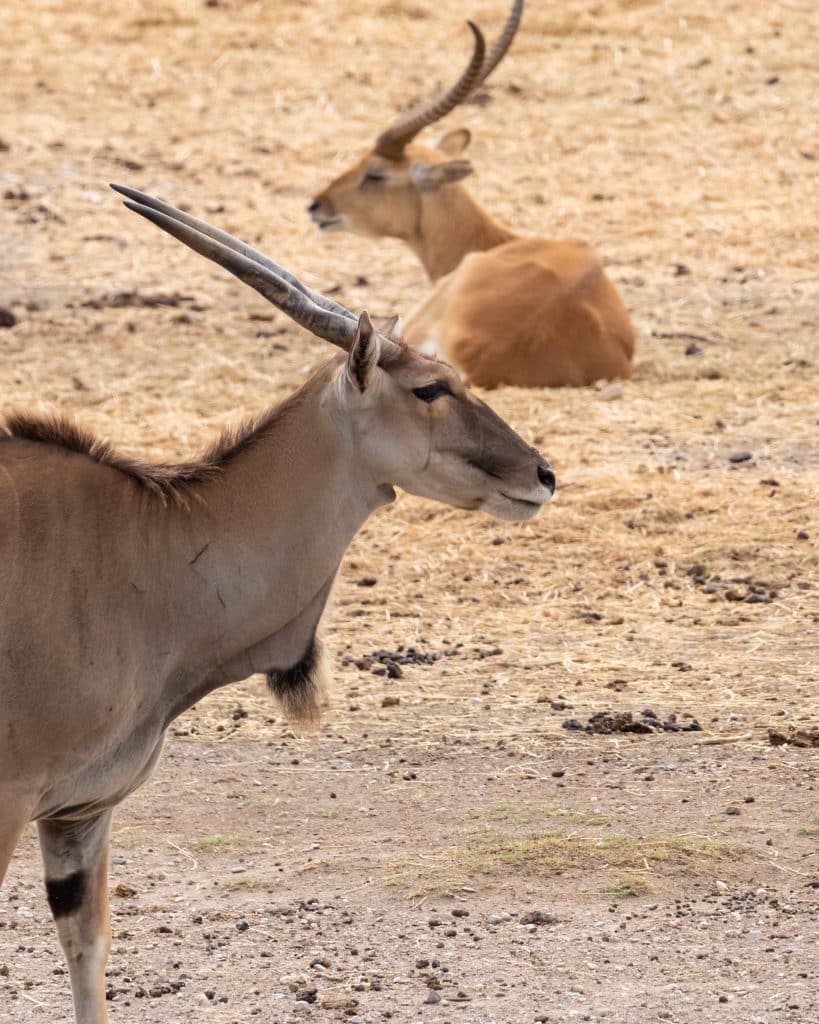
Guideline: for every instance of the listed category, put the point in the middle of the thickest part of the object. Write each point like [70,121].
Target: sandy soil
[443,849]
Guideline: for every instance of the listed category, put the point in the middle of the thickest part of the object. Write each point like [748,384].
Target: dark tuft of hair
[299,689]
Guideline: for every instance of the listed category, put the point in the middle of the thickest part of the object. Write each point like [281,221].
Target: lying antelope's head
[381,194]
[401,418]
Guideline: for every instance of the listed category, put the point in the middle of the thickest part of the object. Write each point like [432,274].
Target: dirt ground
[444,849]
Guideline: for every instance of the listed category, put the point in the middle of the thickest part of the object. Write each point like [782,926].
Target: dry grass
[492,854]
[810,831]
[219,842]
[629,887]
[696,124]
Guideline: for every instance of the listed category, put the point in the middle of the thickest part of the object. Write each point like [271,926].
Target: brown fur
[505,309]
[169,481]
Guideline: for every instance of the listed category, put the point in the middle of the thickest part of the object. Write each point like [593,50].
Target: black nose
[313,207]
[547,478]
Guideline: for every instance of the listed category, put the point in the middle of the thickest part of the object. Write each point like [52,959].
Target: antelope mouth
[525,503]
[514,509]
[329,223]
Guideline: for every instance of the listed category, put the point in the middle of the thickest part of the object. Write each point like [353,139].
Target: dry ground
[398,852]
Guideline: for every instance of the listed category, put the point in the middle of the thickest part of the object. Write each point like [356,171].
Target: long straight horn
[287,294]
[391,143]
[143,199]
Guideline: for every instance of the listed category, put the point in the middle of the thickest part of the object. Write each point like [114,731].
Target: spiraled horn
[504,40]
[391,143]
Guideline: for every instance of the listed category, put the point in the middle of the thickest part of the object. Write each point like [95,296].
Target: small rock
[7,318]
[390,702]
[610,393]
[743,456]
[433,997]
[538,917]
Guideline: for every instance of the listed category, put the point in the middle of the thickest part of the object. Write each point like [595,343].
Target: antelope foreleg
[75,856]
[13,819]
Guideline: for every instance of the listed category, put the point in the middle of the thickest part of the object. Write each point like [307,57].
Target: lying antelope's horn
[315,312]
[504,40]
[391,143]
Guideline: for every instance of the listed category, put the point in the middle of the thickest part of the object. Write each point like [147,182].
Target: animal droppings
[806,737]
[605,722]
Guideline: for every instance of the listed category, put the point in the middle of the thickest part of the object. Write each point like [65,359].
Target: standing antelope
[505,309]
[129,591]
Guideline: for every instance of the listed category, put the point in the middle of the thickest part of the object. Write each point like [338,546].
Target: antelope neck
[260,550]
[450,225]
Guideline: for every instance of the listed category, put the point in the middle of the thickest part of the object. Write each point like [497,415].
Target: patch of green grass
[490,853]
[219,841]
[505,811]
[236,884]
[567,814]
[809,831]
[514,814]
[627,888]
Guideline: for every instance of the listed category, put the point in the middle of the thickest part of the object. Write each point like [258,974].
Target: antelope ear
[428,177]
[391,328]
[363,357]
[454,142]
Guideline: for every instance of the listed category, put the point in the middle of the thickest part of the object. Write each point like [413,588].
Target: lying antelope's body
[129,591]
[570,326]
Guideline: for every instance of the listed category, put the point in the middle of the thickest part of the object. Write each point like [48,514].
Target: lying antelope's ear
[428,177]
[390,328]
[363,357]
[454,142]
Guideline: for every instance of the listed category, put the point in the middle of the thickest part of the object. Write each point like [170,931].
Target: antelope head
[397,417]
[382,193]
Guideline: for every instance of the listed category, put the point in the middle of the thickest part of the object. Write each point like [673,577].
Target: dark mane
[169,481]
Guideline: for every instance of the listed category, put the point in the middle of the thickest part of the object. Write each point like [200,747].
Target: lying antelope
[129,591]
[506,309]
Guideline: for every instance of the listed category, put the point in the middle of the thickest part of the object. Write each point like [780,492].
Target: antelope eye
[372,176]
[429,392]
